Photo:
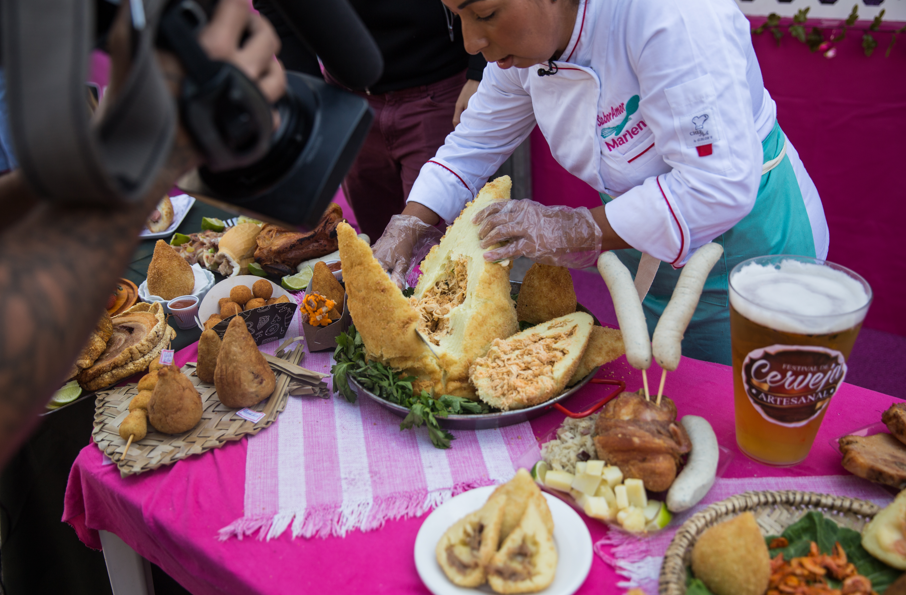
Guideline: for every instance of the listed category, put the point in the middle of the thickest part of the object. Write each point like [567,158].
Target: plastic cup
[184,309]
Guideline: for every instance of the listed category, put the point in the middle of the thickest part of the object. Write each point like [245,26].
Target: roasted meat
[880,458]
[895,419]
[642,439]
[281,250]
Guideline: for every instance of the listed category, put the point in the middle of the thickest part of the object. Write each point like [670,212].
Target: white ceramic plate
[181,205]
[221,290]
[571,538]
[204,281]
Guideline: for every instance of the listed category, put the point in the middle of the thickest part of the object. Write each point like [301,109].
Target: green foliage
[814,39]
[388,384]
[814,526]
[797,29]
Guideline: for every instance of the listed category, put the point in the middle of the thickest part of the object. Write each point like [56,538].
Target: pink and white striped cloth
[328,466]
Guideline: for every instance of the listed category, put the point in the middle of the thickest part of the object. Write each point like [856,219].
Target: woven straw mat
[774,512]
[219,424]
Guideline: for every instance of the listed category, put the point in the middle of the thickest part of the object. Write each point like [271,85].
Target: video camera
[287,176]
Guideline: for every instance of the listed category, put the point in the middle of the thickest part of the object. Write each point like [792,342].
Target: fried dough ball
[222,301]
[135,425]
[155,365]
[270,301]
[262,289]
[212,321]
[229,309]
[240,294]
[140,401]
[148,381]
[732,558]
[281,300]
[255,303]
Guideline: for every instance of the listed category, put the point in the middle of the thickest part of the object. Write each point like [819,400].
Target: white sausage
[668,334]
[700,471]
[629,310]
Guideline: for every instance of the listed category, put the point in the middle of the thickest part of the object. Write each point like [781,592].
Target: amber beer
[793,323]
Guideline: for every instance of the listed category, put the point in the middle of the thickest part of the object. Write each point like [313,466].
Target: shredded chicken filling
[518,566]
[469,550]
[524,365]
[440,300]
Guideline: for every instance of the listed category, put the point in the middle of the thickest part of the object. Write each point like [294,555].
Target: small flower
[825,46]
[830,53]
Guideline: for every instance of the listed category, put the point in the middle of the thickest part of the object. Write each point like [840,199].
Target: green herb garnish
[390,385]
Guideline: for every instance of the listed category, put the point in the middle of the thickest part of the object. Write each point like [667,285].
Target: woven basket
[774,512]
[219,424]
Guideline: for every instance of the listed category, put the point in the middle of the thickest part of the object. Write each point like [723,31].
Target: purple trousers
[409,126]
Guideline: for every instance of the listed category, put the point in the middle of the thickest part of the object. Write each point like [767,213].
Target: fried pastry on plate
[467,547]
[527,560]
[519,491]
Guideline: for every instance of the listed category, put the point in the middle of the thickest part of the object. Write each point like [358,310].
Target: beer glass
[793,323]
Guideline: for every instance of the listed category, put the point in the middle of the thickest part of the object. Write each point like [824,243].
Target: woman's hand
[404,236]
[557,236]
[463,102]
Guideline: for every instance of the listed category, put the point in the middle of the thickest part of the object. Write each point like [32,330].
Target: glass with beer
[793,323]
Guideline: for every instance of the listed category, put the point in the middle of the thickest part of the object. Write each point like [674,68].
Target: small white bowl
[204,281]
[185,316]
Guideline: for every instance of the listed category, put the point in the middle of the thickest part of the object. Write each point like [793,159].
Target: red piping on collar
[682,237]
[452,172]
[581,28]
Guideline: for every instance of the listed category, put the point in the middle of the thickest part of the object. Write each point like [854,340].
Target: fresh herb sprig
[391,385]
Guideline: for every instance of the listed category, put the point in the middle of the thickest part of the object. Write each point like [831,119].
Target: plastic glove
[557,236]
[404,237]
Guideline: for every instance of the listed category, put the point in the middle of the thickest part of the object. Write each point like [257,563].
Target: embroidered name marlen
[613,113]
[624,138]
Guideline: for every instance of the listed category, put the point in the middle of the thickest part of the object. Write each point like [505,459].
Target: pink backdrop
[847,118]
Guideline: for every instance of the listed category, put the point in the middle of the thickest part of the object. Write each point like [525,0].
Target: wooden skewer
[645,385]
[660,389]
[128,442]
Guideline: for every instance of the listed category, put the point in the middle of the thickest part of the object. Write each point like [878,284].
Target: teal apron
[778,224]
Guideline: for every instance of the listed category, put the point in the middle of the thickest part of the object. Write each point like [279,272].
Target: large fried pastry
[546,293]
[175,405]
[132,367]
[97,342]
[527,560]
[467,547]
[242,377]
[169,275]
[531,367]
[883,537]
[604,346]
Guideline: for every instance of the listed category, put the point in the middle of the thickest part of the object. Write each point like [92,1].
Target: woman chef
[659,105]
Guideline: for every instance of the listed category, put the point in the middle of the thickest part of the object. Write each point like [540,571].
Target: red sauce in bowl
[182,304]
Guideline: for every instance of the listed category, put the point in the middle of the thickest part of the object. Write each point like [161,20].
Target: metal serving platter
[482,421]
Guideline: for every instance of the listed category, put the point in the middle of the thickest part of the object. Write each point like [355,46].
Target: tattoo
[58,265]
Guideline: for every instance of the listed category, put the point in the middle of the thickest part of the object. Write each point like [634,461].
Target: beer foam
[798,297]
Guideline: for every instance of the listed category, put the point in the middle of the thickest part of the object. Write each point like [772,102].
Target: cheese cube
[652,510]
[635,492]
[622,497]
[634,520]
[580,467]
[587,484]
[578,497]
[595,468]
[605,491]
[621,515]
[597,508]
[613,476]
[558,480]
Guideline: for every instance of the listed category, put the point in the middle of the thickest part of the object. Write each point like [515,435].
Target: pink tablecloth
[171,516]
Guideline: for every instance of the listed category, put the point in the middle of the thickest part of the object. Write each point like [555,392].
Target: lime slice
[656,514]
[297,282]
[212,224]
[244,219]
[539,471]
[179,239]
[69,393]
[255,269]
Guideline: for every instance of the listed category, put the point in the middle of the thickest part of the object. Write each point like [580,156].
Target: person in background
[427,82]
[661,108]
[58,262]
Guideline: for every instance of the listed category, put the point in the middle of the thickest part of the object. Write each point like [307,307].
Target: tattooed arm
[58,264]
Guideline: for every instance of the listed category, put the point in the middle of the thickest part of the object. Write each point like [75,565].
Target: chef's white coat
[684,168]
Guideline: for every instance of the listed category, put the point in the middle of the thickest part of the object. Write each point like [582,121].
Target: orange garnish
[318,309]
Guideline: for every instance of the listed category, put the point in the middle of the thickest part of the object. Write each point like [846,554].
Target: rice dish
[573,443]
